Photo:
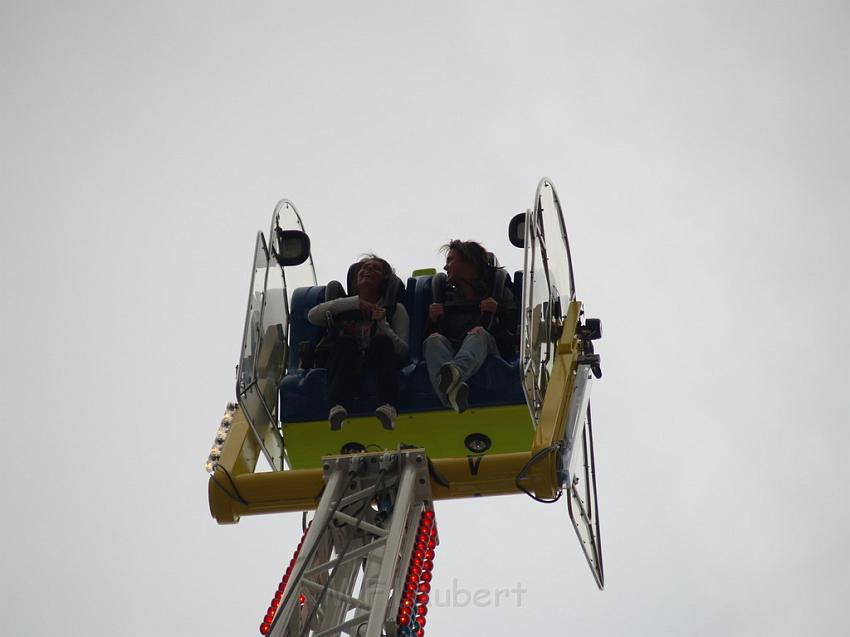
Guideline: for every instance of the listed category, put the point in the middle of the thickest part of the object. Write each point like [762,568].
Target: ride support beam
[234,496]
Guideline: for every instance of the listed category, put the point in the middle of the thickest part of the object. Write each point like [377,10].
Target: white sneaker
[459,397]
[387,414]
[336,416]
[449,378]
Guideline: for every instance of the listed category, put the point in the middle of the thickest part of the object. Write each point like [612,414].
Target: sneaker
[336,416]
[459,397]
[387,414]
[449,378]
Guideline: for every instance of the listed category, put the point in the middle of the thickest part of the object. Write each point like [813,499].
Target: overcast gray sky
[701,153]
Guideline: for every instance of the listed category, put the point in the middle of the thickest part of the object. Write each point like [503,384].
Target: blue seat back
[421,299]
[300,329]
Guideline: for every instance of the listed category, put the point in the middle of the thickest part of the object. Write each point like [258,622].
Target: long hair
[474,253]
[386,270]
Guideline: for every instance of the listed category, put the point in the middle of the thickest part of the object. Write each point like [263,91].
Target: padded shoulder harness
[393,295]
[439,282]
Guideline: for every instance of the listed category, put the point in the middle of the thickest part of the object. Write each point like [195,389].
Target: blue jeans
[468,359]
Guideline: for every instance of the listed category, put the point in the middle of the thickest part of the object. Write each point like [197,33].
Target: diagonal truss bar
[363,526]
[343,627]
[349,556]
[352,601]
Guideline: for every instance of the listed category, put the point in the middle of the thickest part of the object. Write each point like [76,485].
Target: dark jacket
[461,315]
